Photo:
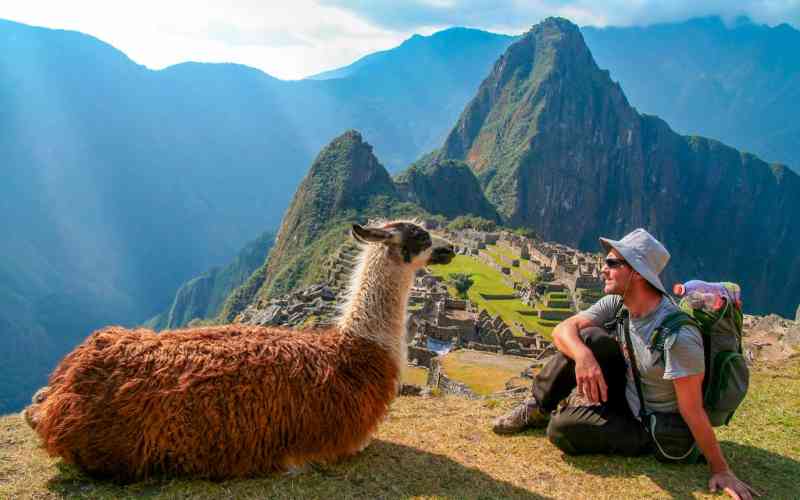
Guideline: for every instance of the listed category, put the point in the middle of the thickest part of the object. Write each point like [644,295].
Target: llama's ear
[370,235]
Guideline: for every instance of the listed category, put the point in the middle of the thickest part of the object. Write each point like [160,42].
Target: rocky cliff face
[444,187]
[558,149]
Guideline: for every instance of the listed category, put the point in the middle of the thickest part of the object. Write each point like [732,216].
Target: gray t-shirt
[683,354]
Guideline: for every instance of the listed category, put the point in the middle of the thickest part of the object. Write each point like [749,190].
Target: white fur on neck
[375,308]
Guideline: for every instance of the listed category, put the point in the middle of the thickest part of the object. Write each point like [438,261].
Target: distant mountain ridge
[736,82]
[459,45]
[203,297]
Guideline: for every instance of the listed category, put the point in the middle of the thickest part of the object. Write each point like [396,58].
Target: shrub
[472,222]
[461,282]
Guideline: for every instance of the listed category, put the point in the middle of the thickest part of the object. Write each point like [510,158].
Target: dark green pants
[608,428]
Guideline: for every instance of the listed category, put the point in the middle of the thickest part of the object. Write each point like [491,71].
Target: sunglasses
[615,263]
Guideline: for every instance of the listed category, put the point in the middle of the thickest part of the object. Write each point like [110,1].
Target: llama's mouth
[442,255]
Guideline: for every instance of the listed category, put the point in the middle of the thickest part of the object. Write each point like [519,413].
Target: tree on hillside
[472,222]
[461,282]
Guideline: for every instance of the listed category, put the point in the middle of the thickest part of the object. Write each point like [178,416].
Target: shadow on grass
[383,470]
[771,474]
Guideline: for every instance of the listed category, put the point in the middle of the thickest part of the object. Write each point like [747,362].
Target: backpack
[727,376]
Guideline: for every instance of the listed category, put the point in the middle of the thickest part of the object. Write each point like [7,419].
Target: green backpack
[727,376]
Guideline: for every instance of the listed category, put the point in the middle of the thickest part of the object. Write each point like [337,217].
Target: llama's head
[407,243]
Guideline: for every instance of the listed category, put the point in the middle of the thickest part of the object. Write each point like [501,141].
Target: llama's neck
[377,301]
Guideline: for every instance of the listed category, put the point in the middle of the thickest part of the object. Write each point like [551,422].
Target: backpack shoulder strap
[626,334]
[671,324]
[613,325]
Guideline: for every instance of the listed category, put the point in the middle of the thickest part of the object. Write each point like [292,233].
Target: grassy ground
[483,372]
[490,281]
[443,448]
[417,376]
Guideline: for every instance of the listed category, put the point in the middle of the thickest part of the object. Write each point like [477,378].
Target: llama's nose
[442,255]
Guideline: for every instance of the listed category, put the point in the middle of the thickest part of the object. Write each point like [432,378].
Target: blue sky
[296,38]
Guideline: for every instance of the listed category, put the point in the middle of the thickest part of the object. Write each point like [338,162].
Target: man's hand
[730,484]
[590,379]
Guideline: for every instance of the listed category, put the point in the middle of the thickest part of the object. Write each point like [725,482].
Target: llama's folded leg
[41,395]
[298,470]
[31,415]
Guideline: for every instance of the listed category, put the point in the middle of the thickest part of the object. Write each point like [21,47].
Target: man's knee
[565,433]
[589,430]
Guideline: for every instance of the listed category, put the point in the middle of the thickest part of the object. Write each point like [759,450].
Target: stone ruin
[551,262]
[315,305]
[436,322]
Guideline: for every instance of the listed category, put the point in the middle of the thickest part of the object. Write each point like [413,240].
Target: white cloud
[287,40]
[296,38]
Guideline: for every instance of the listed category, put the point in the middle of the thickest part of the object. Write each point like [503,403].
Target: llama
[235,400]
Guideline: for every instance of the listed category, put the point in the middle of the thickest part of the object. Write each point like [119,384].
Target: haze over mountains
[122,183]
[739,84]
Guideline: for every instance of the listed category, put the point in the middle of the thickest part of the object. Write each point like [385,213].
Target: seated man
[602,411]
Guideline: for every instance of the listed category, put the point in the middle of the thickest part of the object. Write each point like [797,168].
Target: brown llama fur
[234,400]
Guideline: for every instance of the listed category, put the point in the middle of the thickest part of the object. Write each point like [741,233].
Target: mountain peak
[347,169]
[344,182]
[543,80]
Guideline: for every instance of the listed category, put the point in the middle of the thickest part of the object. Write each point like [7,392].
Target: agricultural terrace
[503,256]
[490,281]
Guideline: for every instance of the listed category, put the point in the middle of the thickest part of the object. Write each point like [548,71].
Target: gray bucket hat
[646,255]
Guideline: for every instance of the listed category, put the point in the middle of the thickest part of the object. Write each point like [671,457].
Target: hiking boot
[525,415]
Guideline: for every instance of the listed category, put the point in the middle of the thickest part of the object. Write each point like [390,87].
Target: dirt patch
[480,358]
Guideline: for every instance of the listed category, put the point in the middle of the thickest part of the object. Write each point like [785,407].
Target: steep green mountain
[558,149]
[203,297]
[345,184]
[447,187]
[739,83]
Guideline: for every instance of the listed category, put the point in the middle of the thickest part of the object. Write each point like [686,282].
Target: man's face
[616,273]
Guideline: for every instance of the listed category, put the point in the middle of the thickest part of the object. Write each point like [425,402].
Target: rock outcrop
[445,187]
[771,338]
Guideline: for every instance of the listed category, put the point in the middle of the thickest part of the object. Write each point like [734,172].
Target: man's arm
[566,336]
[588,375]
[690,404]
